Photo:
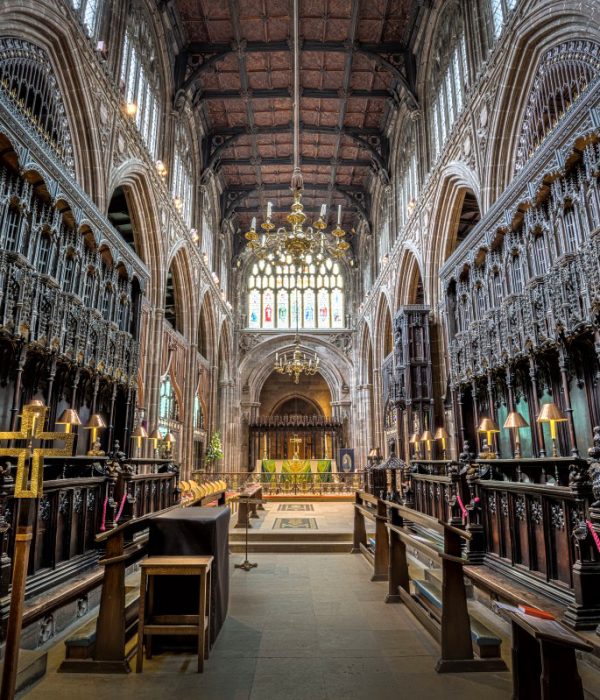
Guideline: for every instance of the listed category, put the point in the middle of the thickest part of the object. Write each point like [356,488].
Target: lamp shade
[427,436]
[515,420]
[551,412]
[441,433]
[36,403]
[155,435]
[375,453]
[487,425]
[415,438]
[69,417]
[95,422]
[170,439]
[139,432]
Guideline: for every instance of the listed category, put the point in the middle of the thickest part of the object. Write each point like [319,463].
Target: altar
[319,467]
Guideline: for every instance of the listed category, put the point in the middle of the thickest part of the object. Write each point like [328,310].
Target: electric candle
[253,224]
[323,211]
[339,221]
[269,209]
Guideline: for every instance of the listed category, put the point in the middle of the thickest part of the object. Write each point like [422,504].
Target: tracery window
[89,12]
[501,10]
[198,414]
[564,73]
[140,78]
[182,174]
[540,255]
[279,295]
[570,229]
[408,187]
[449,78]
[26,77]
[168,409]
[516,274]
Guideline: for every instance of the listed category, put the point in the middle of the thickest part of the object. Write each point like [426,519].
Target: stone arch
[410,287]
[54,36]
[207,329]
[183,308]
[132,178]
[383,329]
[533,37]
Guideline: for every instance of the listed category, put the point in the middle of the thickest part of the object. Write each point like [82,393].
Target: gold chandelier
[296,363]
[295,244]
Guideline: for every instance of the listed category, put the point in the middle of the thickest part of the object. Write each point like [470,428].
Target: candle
[269,209]
[253,224]
[323,211]
[339,221]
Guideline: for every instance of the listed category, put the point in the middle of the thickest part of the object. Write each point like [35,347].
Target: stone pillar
[154,351]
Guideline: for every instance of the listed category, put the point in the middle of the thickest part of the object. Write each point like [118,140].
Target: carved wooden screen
[26,78]
[564,73]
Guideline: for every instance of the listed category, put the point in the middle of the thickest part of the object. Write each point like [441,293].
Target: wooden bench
[373,509]
[101,648]
[441,609]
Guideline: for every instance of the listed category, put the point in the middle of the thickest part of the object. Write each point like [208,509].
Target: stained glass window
[283,294]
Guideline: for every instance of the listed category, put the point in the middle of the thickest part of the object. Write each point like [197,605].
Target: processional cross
[29,486]
[296,441]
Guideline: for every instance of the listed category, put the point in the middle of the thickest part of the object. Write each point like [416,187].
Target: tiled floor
[330,516]
[310,627]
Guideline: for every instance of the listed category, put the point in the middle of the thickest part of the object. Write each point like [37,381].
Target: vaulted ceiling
[355,67]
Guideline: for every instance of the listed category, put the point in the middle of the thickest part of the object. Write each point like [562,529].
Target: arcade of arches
[456,142]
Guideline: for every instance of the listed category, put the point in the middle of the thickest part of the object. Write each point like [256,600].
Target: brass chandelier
[296,244]
[297,362]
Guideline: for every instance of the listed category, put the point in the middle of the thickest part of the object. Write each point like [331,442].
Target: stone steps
[289,542]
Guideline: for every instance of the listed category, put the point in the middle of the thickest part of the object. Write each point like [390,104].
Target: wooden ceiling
[355,67]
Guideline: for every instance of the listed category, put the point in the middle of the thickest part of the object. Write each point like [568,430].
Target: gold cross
[32,428]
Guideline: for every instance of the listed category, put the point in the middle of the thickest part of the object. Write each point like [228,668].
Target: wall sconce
[427,438]
[488,426]
[515,421]
[415,440]
[161,168]
[94,424]
[131,109]
[551,413]
[442,434]
[69,418]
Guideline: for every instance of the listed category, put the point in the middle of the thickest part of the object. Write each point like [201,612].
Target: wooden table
[151,624]
[247,505]
[544,663]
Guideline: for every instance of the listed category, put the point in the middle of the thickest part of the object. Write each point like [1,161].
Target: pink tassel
[462,507]
[121,507]
[103,524]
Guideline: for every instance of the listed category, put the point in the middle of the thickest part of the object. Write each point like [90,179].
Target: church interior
[300,349]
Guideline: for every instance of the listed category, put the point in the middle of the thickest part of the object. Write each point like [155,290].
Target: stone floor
[310,627]
[330,516]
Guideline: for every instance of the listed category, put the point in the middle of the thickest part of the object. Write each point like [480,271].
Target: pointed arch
[179,300]
[534,37]
[409,283]
[383,335]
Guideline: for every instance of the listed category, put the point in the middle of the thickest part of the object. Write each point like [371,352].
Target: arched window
[198,414]
[168,409]
[449,77]
[89,12]
[88,290]
[68,272]
[500,10]
[140,77]
[563,75]
[498,289]
[44,253]
[12,226]
[281,295]
[26,77]
[182,174]
[408,182]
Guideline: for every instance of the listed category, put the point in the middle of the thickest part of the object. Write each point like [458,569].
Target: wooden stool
[174,624]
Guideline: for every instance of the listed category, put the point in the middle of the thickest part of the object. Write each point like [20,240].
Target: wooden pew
[100,646]
[441,609]
[372,508]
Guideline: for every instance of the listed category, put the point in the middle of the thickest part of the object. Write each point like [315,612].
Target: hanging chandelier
[296,243]
[296,362]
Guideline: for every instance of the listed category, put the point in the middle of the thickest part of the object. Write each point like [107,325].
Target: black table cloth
[192,531]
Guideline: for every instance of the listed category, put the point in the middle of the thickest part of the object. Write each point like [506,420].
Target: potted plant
[214,451]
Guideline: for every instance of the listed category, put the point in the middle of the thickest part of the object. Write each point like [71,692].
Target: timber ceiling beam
[234,195]
[391,56]
[304,160]
[372,140]
[286,92]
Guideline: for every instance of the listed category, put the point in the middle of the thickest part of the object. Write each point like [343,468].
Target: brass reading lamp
[156,437]
[551,413]
[69,418]
[442,434]
[94,424]
[515,421]
[415,439]
[489,427]
[427,438]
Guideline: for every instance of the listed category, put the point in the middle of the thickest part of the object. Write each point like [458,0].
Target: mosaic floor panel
[296,507]
[295,524]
